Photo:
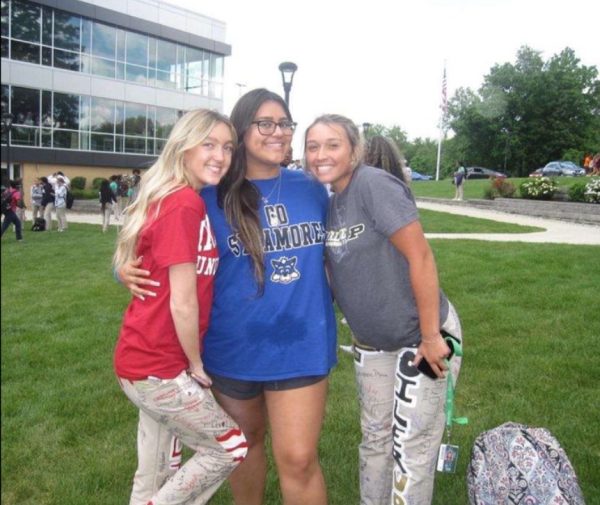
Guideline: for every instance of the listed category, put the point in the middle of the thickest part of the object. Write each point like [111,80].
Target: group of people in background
[232,323]
[48,196]
[115,195]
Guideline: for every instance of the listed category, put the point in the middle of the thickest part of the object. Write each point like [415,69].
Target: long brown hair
[239,197]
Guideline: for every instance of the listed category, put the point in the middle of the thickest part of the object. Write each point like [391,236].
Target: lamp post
[7,120]
[287,69]
[366,127]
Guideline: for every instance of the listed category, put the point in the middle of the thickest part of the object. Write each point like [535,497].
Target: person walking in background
[60,203]
[37,194]
[114,187]
[20,211]
[157,357]
[135,184]
[384,279]
[107,200]
[460,174]
[48,202]
[12,195]
[269,223]
[382,152]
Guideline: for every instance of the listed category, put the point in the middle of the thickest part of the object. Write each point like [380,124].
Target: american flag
[444,105]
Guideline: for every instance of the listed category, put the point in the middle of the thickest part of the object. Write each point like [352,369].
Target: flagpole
[444,107]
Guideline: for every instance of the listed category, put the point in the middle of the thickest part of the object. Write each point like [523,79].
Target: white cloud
[381,61]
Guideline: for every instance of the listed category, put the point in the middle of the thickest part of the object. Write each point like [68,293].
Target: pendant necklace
[274,221]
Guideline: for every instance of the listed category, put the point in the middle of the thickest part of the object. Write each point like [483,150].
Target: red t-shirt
[181,233]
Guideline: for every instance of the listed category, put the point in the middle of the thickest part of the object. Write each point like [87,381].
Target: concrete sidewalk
[556,232]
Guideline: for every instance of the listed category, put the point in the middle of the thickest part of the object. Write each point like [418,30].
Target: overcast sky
[381,61]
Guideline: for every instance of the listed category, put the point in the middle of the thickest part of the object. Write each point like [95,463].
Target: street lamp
[7,120]
[287,69]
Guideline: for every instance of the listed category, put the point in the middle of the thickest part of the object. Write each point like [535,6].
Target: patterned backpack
[518,465]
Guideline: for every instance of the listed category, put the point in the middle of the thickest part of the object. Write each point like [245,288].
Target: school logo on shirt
[208,258]
[284,270]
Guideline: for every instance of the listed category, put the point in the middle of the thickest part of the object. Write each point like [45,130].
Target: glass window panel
[86,66]
[135,119]
[166,80]
[66,111]
[86,35]
[26,21]
[149,146]
[105,68]
[4,46]
[137,49]
[4,17]
[136,74]
[166,56]
[135,145]
[119,140]
[66,31]
[84,141]
[66,60]
[100,142]
[165,120]
[119,118]
[47,26]
[23,51]
[104,40]
[120,71]
[24,136]
[46,137]
[47,56]
[158,145]
[151,120]
[46,108]
[66,139]
[85,113]
[152,52]
[4,102]
[103,115]
[120,45]
[25,106]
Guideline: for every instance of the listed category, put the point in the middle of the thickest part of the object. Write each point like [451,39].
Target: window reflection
[26,19]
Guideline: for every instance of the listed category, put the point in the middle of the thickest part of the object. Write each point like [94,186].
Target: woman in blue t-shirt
[271,340]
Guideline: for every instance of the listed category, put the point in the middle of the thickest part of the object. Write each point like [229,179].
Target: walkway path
[557,232]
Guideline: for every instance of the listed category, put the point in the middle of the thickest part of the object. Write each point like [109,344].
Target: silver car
[568,168]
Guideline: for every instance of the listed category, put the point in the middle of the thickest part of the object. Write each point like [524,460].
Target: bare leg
[296,417]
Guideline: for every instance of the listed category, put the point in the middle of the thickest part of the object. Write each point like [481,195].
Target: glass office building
[93,89]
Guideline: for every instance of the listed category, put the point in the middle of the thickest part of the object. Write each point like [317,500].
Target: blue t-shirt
[289,331]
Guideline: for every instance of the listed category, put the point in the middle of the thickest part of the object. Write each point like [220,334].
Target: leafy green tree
[528,113]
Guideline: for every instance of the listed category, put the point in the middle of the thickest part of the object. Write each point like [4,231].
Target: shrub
[85,194]
[577,192]
[96,182]
[500,187]
[78,182]
[540,188]
[592,191]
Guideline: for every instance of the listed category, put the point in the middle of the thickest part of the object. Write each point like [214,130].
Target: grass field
[531,322]
[475,188]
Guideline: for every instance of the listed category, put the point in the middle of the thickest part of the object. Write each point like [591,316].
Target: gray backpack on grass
[514,464]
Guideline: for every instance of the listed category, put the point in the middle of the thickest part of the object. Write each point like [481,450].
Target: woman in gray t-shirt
[384,279]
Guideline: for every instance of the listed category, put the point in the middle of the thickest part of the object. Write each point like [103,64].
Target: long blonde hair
[166,175]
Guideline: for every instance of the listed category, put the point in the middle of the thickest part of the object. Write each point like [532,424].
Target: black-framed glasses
[268,127]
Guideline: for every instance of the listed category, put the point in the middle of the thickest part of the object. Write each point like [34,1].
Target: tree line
[524,115]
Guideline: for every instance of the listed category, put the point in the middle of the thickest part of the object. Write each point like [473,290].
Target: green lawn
[531,323]
[475,188]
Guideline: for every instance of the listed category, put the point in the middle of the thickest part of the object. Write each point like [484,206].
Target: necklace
[277,186]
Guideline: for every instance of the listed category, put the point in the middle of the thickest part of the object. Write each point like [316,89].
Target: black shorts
[246,390]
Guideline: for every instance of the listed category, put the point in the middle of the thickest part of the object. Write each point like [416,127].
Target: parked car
[556,168]
[484,173]
[416,176]
[537,173]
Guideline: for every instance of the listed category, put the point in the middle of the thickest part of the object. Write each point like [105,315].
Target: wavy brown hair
[239,197]
[383,153]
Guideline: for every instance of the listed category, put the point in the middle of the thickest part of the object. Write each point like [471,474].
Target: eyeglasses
[268,127]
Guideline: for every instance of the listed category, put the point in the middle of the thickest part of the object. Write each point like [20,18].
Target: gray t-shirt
[370,277]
